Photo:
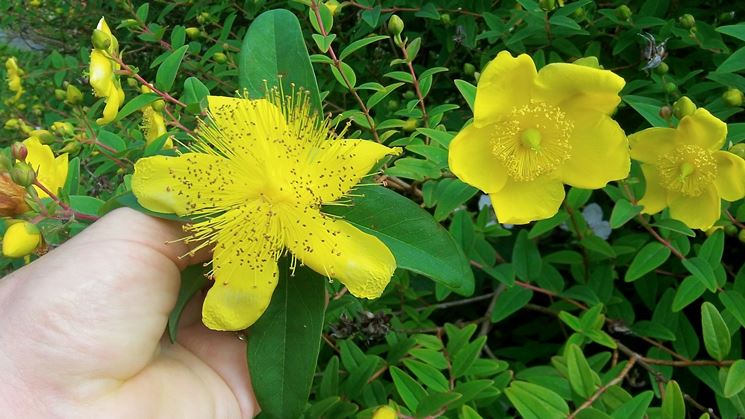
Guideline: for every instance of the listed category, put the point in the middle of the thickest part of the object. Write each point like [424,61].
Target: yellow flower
[153,124]
[21,239]
[103,77]
[385,412]
[686,171]
[534,131]
[14,79]
[255,181]
[50,171]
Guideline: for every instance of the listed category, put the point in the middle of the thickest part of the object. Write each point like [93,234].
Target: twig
[63,205]
[415,82]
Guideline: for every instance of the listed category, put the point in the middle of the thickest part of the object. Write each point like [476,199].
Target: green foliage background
[549,319]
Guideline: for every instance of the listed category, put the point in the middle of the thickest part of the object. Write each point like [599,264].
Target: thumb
[96,306]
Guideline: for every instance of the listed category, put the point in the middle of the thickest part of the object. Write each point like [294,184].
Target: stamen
[689,169]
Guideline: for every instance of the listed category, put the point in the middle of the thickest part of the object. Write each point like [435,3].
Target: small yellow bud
[333,6]
[671,87]
[159,105]
[732,97]
[131,82]
[469,69]
[445,19]
[730,230]
[192,32]
[547,5]
[43,135]
[683,107]
[62,128]
[687,21]
[395,25]
[661,69]
[411,125]
[71,147]
[60,94]
[623,12]
[385,412]
[220,58]
[11,124]
[741,235]
[738,150]
[100,39]
[21,239]
[74,97]
[22,174]
[203,17]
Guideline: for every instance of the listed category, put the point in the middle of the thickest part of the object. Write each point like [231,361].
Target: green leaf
[427,375]
[648,108]
[581,377]
[330,379]
[649,258]
[86,204]
[525,258]
[735,62]
[688,291]
[717,339]
[673,405]
[536,402]
[360,43]
[467,412]
[598,245]
[434,402]
[466,356]
[734,302]
[454,194]
[112,140]
[675,226]
[635,408]
[735,381]
[72,183]
[467,90]
[136,104]
[167,71]
[702,271]
[713,248]
[410,391]
[737,31]
[418,242]
[547,225]
[195,95]
[622,212]
[346,77]
[510,301]
[283,347]
[193,279]
[274,46]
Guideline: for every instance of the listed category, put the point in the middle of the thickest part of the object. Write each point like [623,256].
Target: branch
[624,372]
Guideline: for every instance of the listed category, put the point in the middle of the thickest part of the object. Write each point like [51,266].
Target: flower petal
[655,196]
[190,183]
[523,202]
[699,212]
[339,250]
[472,160]
[335,166]
[50,172]
[600,152]
[579,87]
[730,180]
[241,293]
[702,129]
[648,145]
[506,82]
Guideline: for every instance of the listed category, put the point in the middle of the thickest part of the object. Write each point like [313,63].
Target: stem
[128,72]
[63,205]
[177,123]
[337,64]
[415,82]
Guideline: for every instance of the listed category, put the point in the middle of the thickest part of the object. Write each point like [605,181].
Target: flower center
[532,140]
[689,170]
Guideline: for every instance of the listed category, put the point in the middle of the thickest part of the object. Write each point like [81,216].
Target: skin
[81,332]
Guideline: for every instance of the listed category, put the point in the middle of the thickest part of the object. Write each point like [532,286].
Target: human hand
[81,332]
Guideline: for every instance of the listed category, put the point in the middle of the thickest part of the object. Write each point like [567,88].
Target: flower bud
[683,107]
[385,412]
[74,96]
[741,235]
[193,32]
[445,18]
[62,128]
[713,230]
[11,124]
[732,97]
[730,230]
[469,69]
[100,39]
[131,82]
[687,21]
[395,25]
[21,239]
[409,94]
[738,150]
[220,58]
[623,12]
[19,151]
[393,105]
[71,147]
[579,13]
[661,69]
[43,135]
[411,125]
[666,112]
[547,5]
[671,87]
[333,7]
[22,174]
[60,94]
[129,23]
[202,18]
[159,105]
[12,197]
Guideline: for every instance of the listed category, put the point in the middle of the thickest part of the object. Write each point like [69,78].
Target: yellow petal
[339,250]
[579,87]
[506,82]
[113,101]
[190,183]
[336,166]
[246,125]
[50,172]
[655,196]
[699,212]
[101,73]
[471,159]
[523,202]
[241,292]
[730,180]
[600,152]
[702,129]
[648,145]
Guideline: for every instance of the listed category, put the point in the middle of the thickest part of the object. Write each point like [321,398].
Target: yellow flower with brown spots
[686,170]
[254,182]
[534,131]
